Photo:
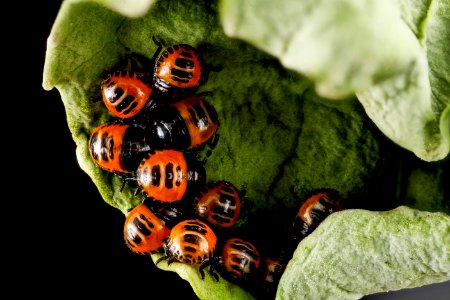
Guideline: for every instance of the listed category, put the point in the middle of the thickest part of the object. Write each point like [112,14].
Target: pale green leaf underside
[393,55]
[130,8]
[358,252]
[207,288]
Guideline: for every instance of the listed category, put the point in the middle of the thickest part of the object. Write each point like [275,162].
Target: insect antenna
[125,181]
[158,50]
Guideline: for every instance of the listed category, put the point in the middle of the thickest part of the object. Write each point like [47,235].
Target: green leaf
[424,186]
[130,8]
[392,55]
[207,288]
[357,252]
[270,143]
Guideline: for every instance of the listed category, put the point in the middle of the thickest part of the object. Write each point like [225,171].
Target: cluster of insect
[159,125]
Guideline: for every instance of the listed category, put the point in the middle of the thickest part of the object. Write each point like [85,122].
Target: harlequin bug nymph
[179,71]
[117,147]
[169,175]
[169,213]
[125,94]
[191,242]
[313,211]
[143,231]
[239,261]
[187,124]
[271,270]
[219,203]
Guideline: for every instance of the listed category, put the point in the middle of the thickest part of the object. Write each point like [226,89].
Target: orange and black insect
[313,211]
[185,124]
[240,260]
[179,71]
[125,94]
[270,272]
[118,147]
[219,204]
[191,242]
[143,231]
[170,213]
[169,175]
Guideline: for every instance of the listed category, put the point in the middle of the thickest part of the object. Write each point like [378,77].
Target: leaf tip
[131,8]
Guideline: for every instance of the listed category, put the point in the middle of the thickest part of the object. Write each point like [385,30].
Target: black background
[62,238]
[70,240]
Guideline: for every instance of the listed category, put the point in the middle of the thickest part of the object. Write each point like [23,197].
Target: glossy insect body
[169,175]
[179,70]
[219,203]
[313,211]
[125,94]
[117,147]
[270,271]
[171,213]
[143,231]
[191,242]
[240,260]
[186,124]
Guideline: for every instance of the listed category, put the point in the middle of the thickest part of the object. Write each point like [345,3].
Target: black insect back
[187,124]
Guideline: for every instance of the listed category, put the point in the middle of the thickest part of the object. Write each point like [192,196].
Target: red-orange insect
[179,70]
[313,211]
[240,260]
[143,231]
[219,203]
[270,272]
[169,175]
[117,147]
[185,124]
[125,94]
[191,242]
